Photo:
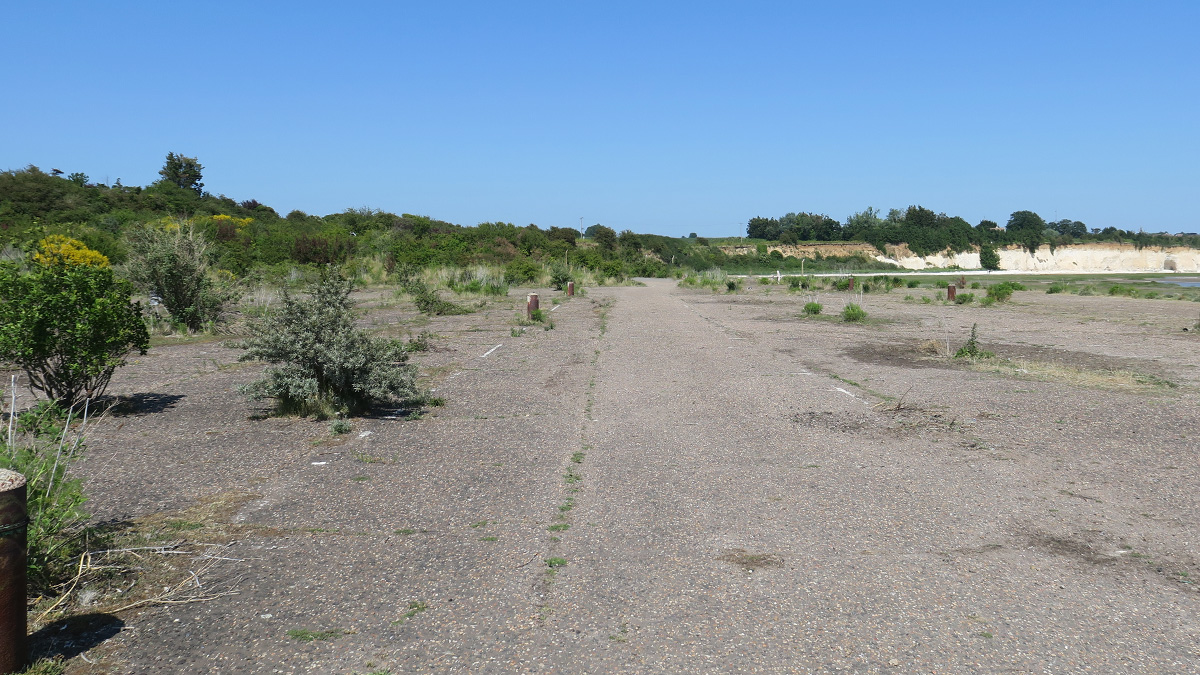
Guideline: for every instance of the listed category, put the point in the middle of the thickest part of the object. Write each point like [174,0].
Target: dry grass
[1121,380]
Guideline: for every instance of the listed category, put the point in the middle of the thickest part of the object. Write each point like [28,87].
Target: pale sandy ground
[758,493]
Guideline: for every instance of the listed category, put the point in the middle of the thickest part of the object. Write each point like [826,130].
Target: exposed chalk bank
[1082,258]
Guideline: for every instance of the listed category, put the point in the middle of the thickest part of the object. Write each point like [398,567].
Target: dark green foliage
[812,308]
[183,172]
[320,362]
[964,298]
[1056,287]
[912,283]
[989,259]
[68,327]
[521,271]
[605,237]
[173,265]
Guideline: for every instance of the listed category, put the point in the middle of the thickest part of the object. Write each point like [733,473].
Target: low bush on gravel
[853,313]
[812,308]
[1003,291]
[964,298]
[321,364]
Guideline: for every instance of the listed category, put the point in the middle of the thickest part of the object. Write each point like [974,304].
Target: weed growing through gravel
[340,427]
[305,635]
[812,308]
[554,563]
[971,349]
[578,457]
[559,527]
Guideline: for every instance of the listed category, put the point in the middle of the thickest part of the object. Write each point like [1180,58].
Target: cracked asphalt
[672,480]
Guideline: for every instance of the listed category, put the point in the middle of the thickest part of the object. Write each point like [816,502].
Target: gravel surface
[733,488]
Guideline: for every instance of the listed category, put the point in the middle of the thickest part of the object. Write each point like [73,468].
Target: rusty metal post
[13,522]
[951,292]
[851,283]
[570,289]
[531,303]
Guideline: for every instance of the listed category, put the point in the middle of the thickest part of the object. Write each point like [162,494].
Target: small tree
[184,172]
[172,263]
[68,322]
[320,362]
[989,259]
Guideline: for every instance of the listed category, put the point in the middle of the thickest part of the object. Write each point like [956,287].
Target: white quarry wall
[1083,258]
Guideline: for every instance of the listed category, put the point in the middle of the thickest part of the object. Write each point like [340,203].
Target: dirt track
[757,492]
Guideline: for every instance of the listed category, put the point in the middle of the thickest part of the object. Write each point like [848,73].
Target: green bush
[975,285]
[964,298]
[731,285]
[560,277]
[320,362]
[794,283]
[852,312]
[812,308]
[913,283]
[173,265]
[68,326]
[1056,287]
[1003,291]
[521,271]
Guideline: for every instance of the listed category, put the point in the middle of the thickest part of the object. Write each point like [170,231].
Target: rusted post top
[951,291]
[13,522]
[570,289]
[531,303]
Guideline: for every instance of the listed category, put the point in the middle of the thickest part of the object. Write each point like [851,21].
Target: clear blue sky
[663,117]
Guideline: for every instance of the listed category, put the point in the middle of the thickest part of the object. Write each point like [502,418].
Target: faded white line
[492,350]
[556,308]
[850,395]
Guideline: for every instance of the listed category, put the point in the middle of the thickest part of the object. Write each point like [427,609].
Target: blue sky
[663,117]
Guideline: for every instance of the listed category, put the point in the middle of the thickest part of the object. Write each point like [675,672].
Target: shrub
[731,285]
[913,283]
[172,263]
[1002,292]
[987,302]
[68,325]
[976,284]
[521,271]
[794,283]
[560,277]
[1056,287]
[964,298]
[320,362]
[852,312]
[812,308]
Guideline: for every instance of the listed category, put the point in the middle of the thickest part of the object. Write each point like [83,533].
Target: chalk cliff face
[1082,258]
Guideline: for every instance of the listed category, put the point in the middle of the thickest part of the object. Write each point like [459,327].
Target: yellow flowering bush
[59,250]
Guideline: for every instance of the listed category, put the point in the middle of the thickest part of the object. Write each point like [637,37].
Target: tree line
[926,232]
